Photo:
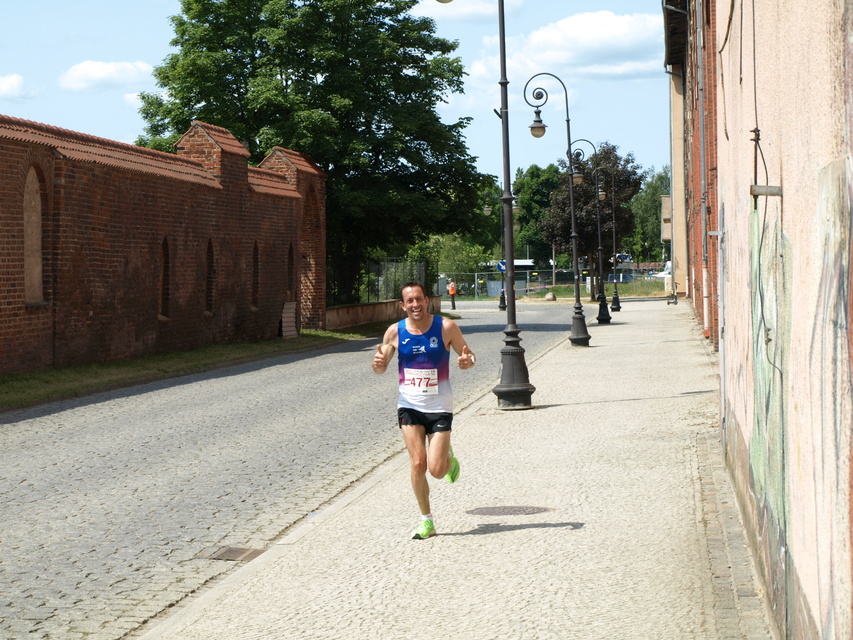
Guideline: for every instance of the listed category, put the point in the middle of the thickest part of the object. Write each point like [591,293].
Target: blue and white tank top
[424,365]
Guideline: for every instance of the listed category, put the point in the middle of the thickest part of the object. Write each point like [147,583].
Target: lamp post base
[502,303]
[579,336]
[603,313]
[514,390]
[514,397]
[614,301]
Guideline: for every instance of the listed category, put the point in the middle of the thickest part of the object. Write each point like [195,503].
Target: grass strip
[19,390]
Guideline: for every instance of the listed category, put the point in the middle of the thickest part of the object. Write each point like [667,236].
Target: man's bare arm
[385,351]
[453,337]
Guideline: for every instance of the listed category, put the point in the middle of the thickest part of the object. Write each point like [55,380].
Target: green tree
[623,173]
[488,227]
[533,189]
[464,251]
[448,254]
[352,83]
[645,243]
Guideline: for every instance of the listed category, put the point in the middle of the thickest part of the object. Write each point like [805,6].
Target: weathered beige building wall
[783,121]
[677,182]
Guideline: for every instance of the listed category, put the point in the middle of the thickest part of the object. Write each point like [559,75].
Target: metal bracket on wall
[764,190]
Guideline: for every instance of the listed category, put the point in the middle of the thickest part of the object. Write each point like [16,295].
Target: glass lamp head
[537,129]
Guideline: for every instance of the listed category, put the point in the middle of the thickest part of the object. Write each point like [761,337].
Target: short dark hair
[412,283]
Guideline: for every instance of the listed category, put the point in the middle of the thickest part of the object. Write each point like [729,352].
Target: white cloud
[96,75]
[12,87]
[132,99]
[599,43]
[625,69]
[463,10]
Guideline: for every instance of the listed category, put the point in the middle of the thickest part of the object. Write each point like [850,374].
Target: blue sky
[79,65]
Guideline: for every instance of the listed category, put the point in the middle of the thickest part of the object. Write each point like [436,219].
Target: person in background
[451,289]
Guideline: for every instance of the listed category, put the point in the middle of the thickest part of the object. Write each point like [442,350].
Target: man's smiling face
[414,302]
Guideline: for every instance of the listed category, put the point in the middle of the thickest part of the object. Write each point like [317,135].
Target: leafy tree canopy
[533,189]
[451,253]
[487,229]
[645,243]
[616,174]
[447,254]
[352,83]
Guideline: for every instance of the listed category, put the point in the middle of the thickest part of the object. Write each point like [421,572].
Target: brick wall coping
[88,148]
[221,137]
[302,161]
[266,181]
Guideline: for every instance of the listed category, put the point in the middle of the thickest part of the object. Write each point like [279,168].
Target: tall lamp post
[579,336]
[614,301]
[514,390]
[502,302]
[603,313]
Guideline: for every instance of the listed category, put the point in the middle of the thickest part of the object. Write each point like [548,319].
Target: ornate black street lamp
[614,300]
[579,336]
[514,390]
[603,313]
[614,304]
[502,301]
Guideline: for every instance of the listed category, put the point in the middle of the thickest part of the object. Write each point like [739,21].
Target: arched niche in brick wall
[256,275]
[33,225]
[165,278]
[210,279]
[312,243]
[290,295]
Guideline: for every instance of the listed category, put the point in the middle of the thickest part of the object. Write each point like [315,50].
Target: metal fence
[488,284]
[377,281]
[382,280]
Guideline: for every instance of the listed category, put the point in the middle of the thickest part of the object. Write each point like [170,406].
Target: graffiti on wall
[770,291]
[831,406]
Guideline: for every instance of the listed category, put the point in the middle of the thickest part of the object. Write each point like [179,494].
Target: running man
[425,400]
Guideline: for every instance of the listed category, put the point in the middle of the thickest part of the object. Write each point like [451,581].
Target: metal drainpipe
[721,257]
[700,23]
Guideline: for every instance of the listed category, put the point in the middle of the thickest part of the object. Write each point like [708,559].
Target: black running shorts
[432,422]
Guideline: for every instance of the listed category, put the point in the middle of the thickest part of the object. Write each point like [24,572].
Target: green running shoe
[453,475]
[424,531]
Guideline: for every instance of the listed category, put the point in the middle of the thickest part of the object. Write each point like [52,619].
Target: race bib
[423,381]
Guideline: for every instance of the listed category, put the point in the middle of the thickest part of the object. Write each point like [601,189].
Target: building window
[211,279]
[33,257]
[256,275]
[165,278]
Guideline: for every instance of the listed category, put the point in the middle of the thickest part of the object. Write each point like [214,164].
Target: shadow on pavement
[498,527]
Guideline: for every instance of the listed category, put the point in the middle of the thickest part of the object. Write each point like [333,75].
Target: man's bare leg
[439,454]
[415,437]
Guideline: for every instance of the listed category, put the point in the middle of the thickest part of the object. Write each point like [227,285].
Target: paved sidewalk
[604,512]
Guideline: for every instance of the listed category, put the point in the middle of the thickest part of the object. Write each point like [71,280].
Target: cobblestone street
[113,503]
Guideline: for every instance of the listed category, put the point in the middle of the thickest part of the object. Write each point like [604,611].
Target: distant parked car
[622,277]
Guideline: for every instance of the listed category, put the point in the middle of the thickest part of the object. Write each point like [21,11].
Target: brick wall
[694,102]
[109,213]
[25,330]
[304,174]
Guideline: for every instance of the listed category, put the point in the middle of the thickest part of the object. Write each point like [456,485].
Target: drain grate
[507,511]
[235,554]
